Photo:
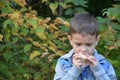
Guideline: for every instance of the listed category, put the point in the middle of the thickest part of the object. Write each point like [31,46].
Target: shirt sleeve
[72,74]
[100,73]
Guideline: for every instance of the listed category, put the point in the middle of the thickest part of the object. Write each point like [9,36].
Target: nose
[83,49]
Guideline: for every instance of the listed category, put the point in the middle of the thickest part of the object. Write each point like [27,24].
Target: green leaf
[69,11]
[102,20]
[15,28]
[67,1]
[63,4]
[4,70]
[80,2]
[53,7]
[115,26]
[6,22]
[113,12]
[5,7]
[20,69]
[15,39]
[102,23]
[8,57]
[64,28]
[27,47]
[58,42]
[33,23]
[117,36]
[23,31]
[114,62]
[40,32]
[79,10]
[7,37]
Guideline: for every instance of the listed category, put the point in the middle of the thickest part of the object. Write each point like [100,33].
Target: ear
[98,38]
[70,39]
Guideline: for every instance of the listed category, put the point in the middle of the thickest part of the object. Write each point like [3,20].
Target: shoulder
[103,61]
[100,58]
[66,56]
[66,60]
[105,64]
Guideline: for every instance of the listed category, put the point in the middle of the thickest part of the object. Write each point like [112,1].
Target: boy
[83,62]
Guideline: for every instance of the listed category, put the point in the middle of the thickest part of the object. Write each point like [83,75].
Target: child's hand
[79,60]
[84,59]
[76,61]
[91,60]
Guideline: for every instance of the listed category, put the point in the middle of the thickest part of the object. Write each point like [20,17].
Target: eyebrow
[86,43]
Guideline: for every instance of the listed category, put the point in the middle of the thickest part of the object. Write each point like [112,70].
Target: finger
[77,57]
[92,60]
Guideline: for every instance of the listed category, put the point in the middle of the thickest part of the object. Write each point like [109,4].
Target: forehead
[85,38]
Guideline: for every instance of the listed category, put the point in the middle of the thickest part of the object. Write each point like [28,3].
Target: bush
[30,44]
[109,44]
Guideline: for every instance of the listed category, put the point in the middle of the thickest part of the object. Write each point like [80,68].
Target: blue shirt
[66,71]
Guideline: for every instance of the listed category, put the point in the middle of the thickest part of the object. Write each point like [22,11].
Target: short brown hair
[84,24]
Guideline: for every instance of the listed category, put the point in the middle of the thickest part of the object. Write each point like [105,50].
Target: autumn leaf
[60,53]
[44,1]
[22,3]
[52,48]
[2,15]
[46,20]
[34,54]
[59,20]
[32,23]
[15,15]
[44,54]
[36,43]
[29,39]
[50,57]
[1,37]
[112,47]
[52,27]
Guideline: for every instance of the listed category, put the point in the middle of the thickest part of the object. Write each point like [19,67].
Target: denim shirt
[66,71]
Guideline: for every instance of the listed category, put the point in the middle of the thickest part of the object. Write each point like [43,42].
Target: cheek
[91,50]
[76,49]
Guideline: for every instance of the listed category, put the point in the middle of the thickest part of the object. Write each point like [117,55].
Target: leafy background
[33,35]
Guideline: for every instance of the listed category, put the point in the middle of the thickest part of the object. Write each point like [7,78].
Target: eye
[89,44]
[77,44]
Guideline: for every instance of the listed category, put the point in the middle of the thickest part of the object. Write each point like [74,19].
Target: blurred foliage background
[33,35]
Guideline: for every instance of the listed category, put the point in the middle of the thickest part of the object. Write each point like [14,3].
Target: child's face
[83,43]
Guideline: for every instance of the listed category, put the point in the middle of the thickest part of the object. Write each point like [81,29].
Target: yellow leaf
[53,27]
[113,17]
[59,20]
[45,21]
[40,32]
[22,3]
[29,39]
[1,37]
[43,48]
[60,53]
[34,54]
[51,57]
[52,48]
[36,44]
[44,1]
[15,15]
[2,15]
